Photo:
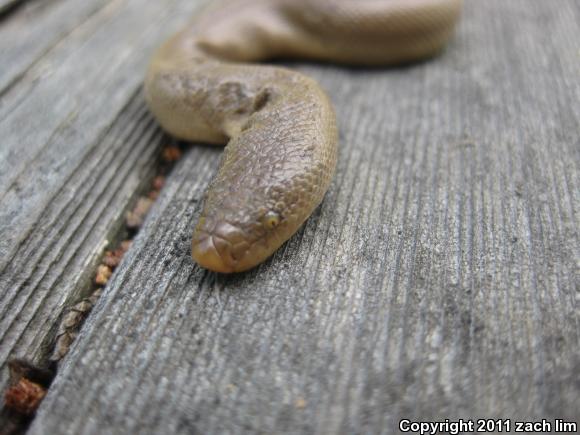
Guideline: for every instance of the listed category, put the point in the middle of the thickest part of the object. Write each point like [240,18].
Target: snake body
[279,125]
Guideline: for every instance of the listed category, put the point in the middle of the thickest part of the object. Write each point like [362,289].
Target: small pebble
[158,182]
[62,346]
[171,153]
[113,258]
[125,245]
[104,272]
[24,397]
[136,217]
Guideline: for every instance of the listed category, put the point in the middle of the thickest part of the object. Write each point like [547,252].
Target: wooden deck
[439,278]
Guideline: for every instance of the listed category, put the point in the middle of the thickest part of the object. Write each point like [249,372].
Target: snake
[209,83]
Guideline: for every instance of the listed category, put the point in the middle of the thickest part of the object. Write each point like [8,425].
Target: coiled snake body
[279,125]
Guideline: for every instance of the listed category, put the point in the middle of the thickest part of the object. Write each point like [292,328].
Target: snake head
[228,246]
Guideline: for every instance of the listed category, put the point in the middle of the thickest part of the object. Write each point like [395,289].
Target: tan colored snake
[279,125]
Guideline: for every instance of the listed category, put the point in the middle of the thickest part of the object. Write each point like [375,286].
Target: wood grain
[78,145]
[439,278]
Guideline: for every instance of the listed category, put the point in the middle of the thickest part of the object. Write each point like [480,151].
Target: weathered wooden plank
[437,280]
[34,29]
[77,146]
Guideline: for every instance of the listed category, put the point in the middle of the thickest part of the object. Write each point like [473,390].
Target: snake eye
[271,219]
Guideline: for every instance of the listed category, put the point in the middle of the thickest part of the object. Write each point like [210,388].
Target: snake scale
[280,128]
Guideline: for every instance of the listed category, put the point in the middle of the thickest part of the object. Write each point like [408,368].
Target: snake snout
[221,250]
